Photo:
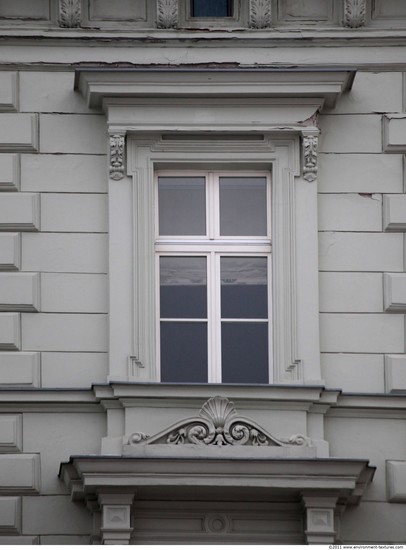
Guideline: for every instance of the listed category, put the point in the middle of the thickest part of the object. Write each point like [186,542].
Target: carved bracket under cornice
[354,13]
[219,424]
[260,16]
[69,13]
[309,155]
[117,149]
[167,14]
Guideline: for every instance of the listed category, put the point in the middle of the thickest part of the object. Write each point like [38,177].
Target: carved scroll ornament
[117,142]
[310,143]
[167,14]
[354,13]
[260,16]
[217,424]
[69,13]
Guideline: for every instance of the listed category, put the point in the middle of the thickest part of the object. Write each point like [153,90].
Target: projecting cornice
[88,476]
[320,87]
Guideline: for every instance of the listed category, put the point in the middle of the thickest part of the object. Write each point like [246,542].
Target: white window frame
[214,247]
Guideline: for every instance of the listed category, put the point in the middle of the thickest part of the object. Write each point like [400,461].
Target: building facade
[202,286]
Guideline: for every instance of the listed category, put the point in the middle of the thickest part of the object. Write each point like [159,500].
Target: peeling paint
[373,196]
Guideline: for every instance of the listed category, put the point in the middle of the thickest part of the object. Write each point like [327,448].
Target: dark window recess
[211,8]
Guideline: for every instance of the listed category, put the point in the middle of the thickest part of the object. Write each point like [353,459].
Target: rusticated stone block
[10,431]
[18,132]
[19,474]
[10,251]
[19,212]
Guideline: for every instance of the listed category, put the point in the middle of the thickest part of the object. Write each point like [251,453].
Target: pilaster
[319,517]
[116,518]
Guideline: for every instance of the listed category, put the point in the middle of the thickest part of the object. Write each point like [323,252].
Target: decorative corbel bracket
[69,13]
[354,13]
[117,156]
[167,14]
[310,140]
[260,16]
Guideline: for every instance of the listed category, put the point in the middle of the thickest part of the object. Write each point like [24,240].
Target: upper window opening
[213,258]
[211,8]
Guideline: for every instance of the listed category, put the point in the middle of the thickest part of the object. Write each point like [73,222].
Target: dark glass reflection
[211,8]
[184,352]
[244,291]
[183,287]
[182,205]
[244,353]
[243,206]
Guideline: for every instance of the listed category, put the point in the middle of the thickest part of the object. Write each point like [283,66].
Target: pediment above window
[217,425]
[294,93]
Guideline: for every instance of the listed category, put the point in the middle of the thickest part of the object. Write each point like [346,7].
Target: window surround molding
[255,119]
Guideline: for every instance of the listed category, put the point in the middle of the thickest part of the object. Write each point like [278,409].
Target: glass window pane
[211,8]
[243,206]
[182,205]
[184,352]
[183,287]
[244,351]
[244,289]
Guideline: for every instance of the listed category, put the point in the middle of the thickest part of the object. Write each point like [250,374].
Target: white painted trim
[282,155]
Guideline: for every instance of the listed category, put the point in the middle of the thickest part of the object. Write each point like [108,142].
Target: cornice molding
[306,37]
[87,476]
[323,86]
[268,397]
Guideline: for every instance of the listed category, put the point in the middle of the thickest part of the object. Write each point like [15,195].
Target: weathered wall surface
[359,330]
[53,298]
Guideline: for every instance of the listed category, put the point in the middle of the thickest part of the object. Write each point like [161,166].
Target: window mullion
[215,205]
[212,318]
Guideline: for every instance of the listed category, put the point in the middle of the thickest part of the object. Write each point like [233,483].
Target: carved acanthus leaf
[218,424]
[310,143]
[297,439]
[69,13]
[137,437]
[117,156]
[354,13]
[167,14]
[260,14]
